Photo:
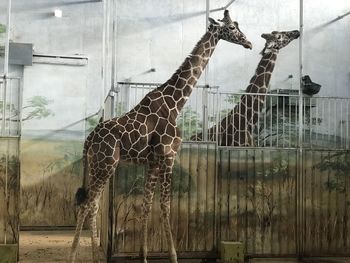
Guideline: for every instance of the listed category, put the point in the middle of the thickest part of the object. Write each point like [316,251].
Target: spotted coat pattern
[236,127]
[148,134]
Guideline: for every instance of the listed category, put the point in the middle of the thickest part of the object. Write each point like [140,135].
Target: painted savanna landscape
[249,195]
[252,198]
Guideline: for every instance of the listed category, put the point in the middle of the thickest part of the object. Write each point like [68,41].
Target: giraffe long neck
[245,115]
[236,127]
[261,79]
[179,87]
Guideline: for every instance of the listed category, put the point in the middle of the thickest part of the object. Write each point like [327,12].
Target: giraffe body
[148,135]
[236,128]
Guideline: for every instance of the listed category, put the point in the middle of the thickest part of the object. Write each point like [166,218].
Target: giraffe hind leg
[93,229]
[82,213]
[165,192]
[150,184]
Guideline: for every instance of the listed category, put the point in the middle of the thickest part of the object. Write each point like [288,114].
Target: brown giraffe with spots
[147,134]
[236,128]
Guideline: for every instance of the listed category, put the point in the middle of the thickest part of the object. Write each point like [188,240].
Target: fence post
[205,112]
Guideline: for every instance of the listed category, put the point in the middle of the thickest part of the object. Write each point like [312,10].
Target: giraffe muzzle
[248,45]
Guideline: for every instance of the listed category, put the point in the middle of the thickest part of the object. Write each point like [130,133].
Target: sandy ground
[52,246]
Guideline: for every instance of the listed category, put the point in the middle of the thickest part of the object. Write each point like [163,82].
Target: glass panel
[53,131]
[9,190]
[326,62]
[3,32]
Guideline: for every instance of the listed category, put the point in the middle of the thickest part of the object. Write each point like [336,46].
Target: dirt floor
[54,246]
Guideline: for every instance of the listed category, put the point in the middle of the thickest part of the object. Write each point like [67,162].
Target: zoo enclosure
[10,109]
[280,198]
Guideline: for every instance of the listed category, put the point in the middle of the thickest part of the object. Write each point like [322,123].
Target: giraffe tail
[80,196]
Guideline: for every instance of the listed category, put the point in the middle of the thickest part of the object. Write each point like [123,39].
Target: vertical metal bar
[279,222]
[346,202]
[7,42]
[321,215]
[283,120]
[265,121]
[104,47]
[277,121]
[310,122]
[271,122]
[262,223]
[290,99]
[301,230]
[11,104]
[347,126]
[335,117]
[246,225]
[238,214]
[253,200]
[208,189]
[205,113]
[323,115]
[114,47]
[20,102]
[341,124]
[329,121]
[3,121]
[271,201]
[313,205]
[328,225]
[258,121]
[317,111]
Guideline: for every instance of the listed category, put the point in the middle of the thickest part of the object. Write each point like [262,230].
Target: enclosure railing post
[7,41]
[300,176]
[205,113]
[205,90]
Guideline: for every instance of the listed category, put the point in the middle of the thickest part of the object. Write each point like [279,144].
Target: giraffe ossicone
[147,134]
[236,128]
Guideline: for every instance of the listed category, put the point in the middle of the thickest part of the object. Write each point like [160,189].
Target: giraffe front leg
[165,192]
[150,184]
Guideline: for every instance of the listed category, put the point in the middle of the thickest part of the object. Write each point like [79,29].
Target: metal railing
[274,198]
[273,118]
[10,117]
[10,107]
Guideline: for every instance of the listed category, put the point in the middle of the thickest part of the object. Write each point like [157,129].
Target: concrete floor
[54,246]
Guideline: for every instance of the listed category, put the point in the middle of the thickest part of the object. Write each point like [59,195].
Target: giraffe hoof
[173,259]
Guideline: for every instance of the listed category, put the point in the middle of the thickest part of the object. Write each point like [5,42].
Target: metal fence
[10,108]
[281,197]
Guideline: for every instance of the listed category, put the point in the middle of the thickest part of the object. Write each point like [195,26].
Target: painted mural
[9,190]
[51,145]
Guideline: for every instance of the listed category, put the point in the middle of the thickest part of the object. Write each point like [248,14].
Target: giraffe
[147,134]
[236,127]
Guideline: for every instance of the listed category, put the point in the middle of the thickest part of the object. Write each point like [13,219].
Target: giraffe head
[229,31]
[279,39]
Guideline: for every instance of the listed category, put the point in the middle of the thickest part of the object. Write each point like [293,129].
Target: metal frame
[317,106]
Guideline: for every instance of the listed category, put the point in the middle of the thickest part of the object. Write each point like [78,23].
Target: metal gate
[280,198]
[10,108]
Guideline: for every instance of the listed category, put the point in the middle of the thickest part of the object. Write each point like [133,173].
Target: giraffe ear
[212,21]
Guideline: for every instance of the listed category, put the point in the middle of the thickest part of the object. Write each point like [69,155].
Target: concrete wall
[161,33]
[78,32]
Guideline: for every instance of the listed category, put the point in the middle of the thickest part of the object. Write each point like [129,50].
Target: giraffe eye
[231,27]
